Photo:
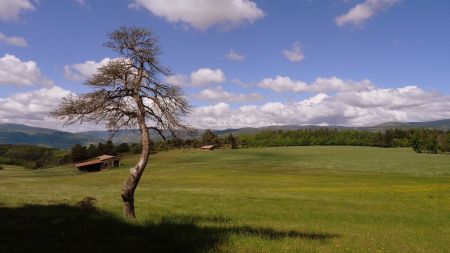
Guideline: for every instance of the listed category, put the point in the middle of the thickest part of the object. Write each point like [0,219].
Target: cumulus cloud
[219,94]
[82,71]
[13,41]
[13,71]
[360,13]
[331,84]
[32,108]
[202,14]
[232,55]
[178,80]
[348,108]
[198,78]
[205,76]
[12,9]
[295,54]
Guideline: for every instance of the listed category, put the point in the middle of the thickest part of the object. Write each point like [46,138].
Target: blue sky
[354,62]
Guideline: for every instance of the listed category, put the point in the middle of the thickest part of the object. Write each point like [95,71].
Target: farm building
[208,147]
[102,162]
[109,160]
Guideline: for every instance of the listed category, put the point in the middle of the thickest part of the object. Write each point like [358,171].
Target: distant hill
[437,124]
[251,130]
[120,136]
[23,134]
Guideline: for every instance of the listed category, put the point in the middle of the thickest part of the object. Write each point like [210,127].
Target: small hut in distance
[100,163]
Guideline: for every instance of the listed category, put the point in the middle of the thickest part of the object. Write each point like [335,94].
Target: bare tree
[128,93]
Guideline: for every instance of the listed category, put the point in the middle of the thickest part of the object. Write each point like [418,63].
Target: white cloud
[82,71]
[12,9]
[199,77]
[13,71]
[13,41]
[295,54]
[178,80]
[332,84]
[283,83]
[349,108]
[232,55]
[360,13]
[204,76]
[32,108]
[202,14]
[219,94]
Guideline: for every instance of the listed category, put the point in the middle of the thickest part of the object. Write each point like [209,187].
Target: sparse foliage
[128,93]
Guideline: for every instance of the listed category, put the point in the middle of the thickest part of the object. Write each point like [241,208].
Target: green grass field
[287,199]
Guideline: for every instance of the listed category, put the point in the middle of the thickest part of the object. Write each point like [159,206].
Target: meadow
[284,199]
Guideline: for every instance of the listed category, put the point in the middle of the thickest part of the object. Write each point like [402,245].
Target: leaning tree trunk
[129,186]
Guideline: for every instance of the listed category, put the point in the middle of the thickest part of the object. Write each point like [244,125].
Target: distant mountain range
[23,134]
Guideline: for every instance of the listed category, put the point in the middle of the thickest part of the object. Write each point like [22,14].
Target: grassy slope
[289,199]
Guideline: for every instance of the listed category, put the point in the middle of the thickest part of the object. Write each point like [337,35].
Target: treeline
[432,142]
[80,153]
[31,156]
[329,137]
[421,140]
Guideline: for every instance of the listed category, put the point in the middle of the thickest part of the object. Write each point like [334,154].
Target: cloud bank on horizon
[279,90]
[335,102]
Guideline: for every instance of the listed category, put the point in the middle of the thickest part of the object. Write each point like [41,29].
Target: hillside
[22,134]
[437,124]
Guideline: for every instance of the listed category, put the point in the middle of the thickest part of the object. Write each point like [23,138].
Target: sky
[241,63]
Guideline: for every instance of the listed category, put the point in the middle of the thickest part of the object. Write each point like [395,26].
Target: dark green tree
[209,138]
[92,151]
[123,148]
[78,153]
[431,143]
[232,141]
[417,141]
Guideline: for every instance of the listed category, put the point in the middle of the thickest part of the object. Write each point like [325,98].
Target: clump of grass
[87,204]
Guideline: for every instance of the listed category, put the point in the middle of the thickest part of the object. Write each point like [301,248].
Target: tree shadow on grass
[65,228]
